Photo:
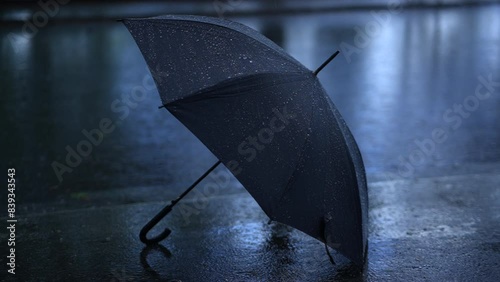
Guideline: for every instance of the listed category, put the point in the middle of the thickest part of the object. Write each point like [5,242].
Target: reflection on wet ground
[407,89]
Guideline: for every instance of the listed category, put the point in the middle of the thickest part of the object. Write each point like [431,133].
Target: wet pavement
[440,228]
[407,90]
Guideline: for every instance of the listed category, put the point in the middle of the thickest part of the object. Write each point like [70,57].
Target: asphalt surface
[408,92]
[440,228]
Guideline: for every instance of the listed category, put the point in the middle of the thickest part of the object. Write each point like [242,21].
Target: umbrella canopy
[268,120]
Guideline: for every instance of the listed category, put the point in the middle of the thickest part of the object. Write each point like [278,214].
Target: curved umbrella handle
[152,223]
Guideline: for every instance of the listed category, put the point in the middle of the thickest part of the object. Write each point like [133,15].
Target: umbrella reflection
[147,251]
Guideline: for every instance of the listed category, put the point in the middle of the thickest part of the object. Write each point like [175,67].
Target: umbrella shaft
[194,184]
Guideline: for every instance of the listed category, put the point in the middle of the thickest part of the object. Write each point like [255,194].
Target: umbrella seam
[300,155]
[207,89]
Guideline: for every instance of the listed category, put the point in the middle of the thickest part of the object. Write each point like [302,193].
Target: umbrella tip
[326,62]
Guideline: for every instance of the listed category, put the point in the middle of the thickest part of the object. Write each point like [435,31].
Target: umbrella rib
[323,224]
[195,95]
[302,148]
[315,73]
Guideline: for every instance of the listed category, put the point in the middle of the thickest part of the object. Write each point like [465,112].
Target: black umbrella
[268,120]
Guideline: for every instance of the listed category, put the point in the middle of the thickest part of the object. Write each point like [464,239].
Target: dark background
[434,209]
